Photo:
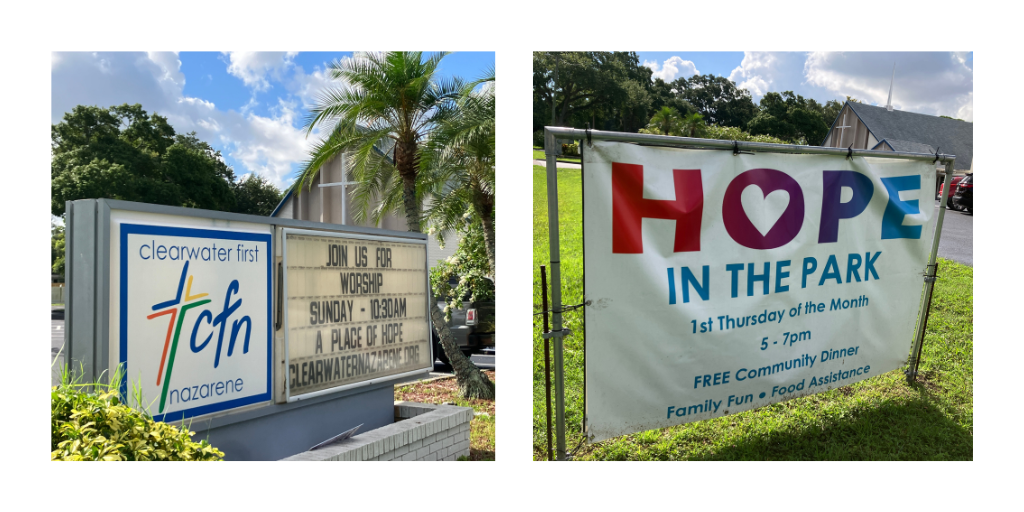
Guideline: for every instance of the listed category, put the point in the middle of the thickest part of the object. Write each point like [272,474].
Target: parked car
[952,190]
[964,197]
[472,326]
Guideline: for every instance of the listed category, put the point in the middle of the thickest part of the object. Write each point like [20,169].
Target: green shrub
[733,133]
[97,426]
[538,138]
[469,265]
[571,149]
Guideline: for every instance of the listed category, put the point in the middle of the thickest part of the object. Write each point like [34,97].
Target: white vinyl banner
[193,316]
[356,309]
[721,283]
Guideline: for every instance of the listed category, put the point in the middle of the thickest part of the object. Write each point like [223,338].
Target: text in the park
[719,283]
[357,310]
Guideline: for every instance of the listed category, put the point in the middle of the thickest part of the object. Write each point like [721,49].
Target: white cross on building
[344,192]
[842,132]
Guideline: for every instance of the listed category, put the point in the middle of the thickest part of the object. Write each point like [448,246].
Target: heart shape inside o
[763,211]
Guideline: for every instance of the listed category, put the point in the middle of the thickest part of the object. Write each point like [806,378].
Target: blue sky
[249,105]
[935,83]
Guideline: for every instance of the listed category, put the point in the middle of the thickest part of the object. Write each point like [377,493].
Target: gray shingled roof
[906,146]
[949,136]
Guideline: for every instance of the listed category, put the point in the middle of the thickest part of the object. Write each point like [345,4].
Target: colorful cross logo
[176,308]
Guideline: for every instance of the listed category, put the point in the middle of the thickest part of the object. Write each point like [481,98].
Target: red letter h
[629,207]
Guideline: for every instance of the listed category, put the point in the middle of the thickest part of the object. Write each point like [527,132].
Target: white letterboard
[356,310]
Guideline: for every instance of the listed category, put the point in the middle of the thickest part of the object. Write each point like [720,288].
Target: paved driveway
[957,242]
[56,342]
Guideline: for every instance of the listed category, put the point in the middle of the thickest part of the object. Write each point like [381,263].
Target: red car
[949,200]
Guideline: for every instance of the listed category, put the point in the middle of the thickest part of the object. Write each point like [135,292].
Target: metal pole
[547,353]
[664,140]
[929,278]
[927,313]
[550,153]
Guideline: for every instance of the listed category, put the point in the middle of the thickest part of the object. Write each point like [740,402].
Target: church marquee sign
[355,310]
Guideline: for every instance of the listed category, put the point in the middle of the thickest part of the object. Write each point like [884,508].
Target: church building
[329,200]
[863,126]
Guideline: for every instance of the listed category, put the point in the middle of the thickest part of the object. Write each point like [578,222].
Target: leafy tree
[57,249]
[255,195]
[792,118]
[568,83]
[123,153]
[717,99]
[610,90]
[663,95]
[634,107]
[195,179]
[392,104]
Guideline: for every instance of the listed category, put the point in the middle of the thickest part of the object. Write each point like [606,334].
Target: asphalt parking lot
[957,242]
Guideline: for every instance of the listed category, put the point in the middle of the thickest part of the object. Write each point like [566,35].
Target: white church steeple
[888,105]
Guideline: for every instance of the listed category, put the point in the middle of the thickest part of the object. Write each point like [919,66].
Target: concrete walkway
[560,165]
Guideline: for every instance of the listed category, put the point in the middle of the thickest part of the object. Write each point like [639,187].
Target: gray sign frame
[241,432]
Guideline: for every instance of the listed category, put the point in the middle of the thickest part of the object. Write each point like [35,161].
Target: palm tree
[388,107]
[459,165]
[665,122]
[693,125]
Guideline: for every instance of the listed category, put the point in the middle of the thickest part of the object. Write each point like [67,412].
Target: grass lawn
[881,418]
[538,154]
[481,427]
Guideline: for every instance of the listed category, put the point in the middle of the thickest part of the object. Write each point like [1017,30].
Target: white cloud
[106,79]
[761,72]
[674,67]
[966,110]
[307,87]
[934,83]
[254,68]
[271,145]
[169,75]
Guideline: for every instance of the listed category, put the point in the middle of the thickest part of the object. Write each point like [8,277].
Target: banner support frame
[551,151]
[551,155]
[929,280]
